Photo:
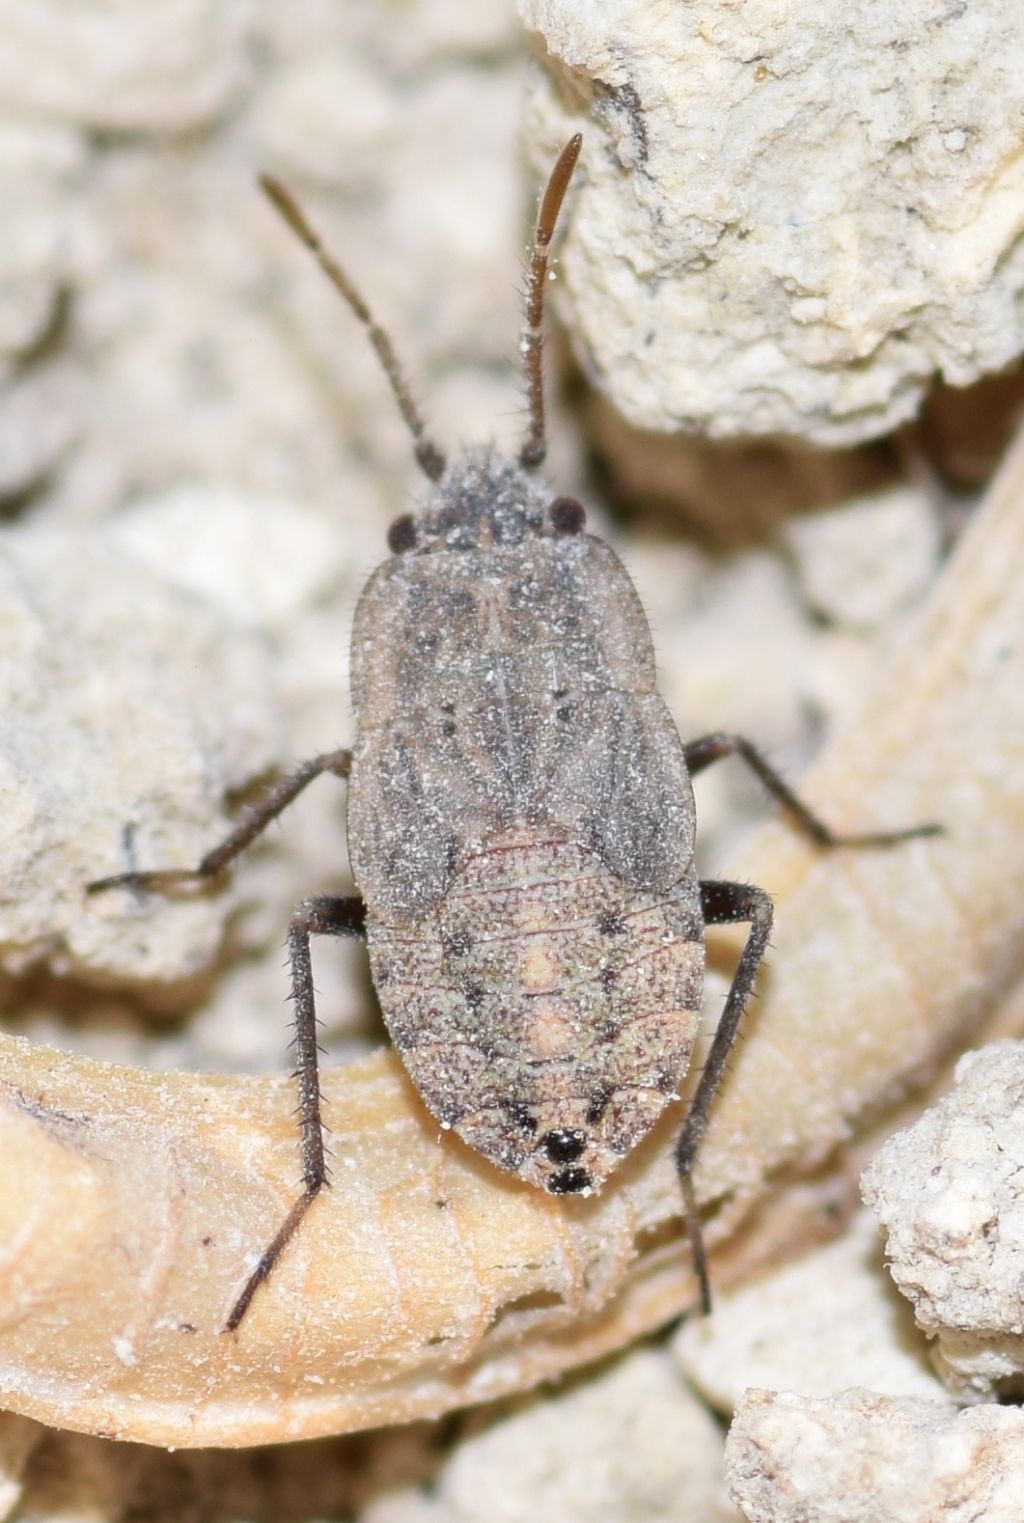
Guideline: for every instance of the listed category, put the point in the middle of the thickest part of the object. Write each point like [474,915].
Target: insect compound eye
[403,534]
[567,515]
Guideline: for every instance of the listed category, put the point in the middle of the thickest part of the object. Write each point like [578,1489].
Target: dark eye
[402,535]
[567,515]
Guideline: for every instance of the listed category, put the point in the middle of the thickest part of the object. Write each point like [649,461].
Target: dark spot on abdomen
[474,995]
[457,942]
[523,1116]
[568,1182]
[564,1146]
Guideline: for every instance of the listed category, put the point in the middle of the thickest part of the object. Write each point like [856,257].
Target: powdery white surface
[112,753]
[862,1458]
[948,1191]
[773,1333]
[793,215]
[628,1442]
[171,65]
[862,564]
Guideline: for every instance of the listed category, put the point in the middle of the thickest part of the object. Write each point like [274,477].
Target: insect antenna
[535,446]
[429,456]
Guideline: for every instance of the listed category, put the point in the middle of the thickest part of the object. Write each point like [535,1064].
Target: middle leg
[711,748]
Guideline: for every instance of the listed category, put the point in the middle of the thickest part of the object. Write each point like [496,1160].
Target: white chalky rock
[262,560]
[629,1443]
[167,65]
[791,216]
[116,753]
[950,1193]
[862,564]
[774,1332]
[41,394]
[863,1458]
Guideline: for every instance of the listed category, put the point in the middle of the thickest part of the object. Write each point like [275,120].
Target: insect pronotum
[521,821]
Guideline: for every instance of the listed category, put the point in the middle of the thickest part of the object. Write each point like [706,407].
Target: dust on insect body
[521,823]
[521,826]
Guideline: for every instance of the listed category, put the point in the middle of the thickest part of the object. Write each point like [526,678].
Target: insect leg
[722,904]
[320,916]
[711,748]
[253,823]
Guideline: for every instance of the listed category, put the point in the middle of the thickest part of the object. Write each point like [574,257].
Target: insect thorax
[503,676]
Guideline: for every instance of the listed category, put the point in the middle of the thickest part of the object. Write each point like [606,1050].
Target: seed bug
[521,821]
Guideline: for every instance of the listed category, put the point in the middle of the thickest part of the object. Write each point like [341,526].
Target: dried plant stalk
[131,1202]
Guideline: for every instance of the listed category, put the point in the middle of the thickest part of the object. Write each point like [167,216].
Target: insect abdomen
[545,1010]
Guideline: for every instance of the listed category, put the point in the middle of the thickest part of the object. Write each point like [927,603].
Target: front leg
[711,748]
[321,916]
[253,823]
[722,904]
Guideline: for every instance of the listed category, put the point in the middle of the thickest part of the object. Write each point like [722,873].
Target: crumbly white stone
[772,1333]
[627,1441]
[114,755]
[948,1192]
[630,1442]
[793,217]
[863,564]
[858,1457]
[170,65]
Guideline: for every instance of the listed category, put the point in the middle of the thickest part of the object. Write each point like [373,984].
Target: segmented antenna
[535,446]
[427,453]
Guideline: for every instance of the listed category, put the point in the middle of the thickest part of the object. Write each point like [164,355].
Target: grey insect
[521,822]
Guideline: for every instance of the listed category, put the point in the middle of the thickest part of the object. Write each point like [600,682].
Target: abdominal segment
[546,1010]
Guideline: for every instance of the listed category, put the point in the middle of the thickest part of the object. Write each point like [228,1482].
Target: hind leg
[722,904]
[322,916]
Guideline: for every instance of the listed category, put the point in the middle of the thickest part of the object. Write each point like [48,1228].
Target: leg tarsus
[323,915]
[270,1255]
[698,1253]
[711,748]
[252,824]
[723,904]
